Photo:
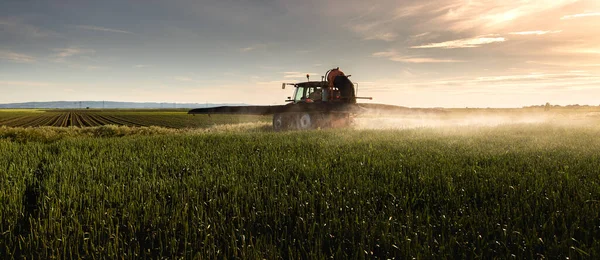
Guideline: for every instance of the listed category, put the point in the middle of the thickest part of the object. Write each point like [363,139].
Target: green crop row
[521,191]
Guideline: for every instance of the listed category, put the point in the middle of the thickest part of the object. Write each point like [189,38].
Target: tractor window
[299,94]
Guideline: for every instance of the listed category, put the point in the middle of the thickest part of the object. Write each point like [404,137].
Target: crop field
[86,118]
[506,187]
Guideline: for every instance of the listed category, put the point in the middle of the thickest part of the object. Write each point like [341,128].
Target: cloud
[25,83]
[211,82]
[537,76]
[101,29]
[16,57]
[16,27]
[420,35]
[374,30]
[139,66]
[487,16]
[564,64]
[296,74]
[395,56]
[462,43]
[517,80]
[69,56]
[185,79]
[388,36]
[573,16]
[71,51]
[269,83]
[253,47]
[577,49]
[87,67]
[535,32]
[411,10]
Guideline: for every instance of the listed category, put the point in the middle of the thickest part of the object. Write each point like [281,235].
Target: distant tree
[547,106]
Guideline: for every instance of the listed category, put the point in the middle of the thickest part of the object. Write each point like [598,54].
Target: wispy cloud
[511,84]
[71,51]
[564,64]
[16,57]
[296,74]
[269,83]
[535,32]
[578,48]
[462,43]
[69,56]
[411,10]
[420,35]
[208,81]
[388,36]
[25,83]
[185,79]
[573,16]
[139,66]
[395,56]
[253,47]
[374,30]
[516,80]
[490,15]
[101,29]
[537,76]
[17,27]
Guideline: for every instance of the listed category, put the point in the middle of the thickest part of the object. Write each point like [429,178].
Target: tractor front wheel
[279,122]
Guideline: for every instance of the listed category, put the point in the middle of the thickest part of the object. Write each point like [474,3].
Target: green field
[502,188]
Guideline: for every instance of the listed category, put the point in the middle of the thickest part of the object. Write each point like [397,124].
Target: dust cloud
[476,118]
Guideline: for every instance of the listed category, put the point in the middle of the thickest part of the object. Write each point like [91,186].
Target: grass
[510,191]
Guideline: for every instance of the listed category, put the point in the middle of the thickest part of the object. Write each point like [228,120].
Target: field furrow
[87,121]
[61,119]
[125,121]
[87,118]
[29,121]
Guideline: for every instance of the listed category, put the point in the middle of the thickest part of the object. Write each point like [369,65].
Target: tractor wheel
[279,122]
[305,121]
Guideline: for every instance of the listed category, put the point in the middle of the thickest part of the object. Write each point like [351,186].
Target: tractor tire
[280,122]
[304,121]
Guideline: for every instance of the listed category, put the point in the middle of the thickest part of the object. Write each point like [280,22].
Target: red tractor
[315,104]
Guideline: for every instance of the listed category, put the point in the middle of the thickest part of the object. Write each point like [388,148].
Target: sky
[440,53]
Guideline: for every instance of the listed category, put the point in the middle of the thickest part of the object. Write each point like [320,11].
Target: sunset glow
[444,53]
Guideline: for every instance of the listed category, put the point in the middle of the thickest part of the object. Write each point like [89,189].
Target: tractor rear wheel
[305,121]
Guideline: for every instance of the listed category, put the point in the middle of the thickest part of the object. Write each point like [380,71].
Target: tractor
[330,102]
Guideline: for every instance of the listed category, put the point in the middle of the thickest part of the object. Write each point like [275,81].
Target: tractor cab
[336,89]
[312,92]
[309,92]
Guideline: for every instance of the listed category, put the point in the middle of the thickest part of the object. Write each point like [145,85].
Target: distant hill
[110,104]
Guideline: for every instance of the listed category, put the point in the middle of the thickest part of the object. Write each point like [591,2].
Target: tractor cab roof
[307,84]
[312,84]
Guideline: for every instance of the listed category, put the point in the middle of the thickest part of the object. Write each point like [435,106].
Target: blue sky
[443,53]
